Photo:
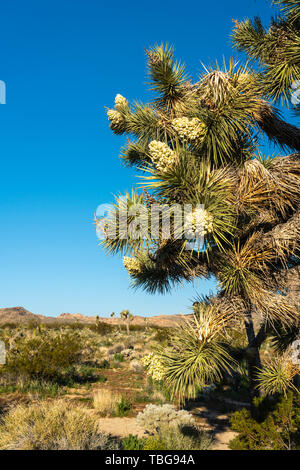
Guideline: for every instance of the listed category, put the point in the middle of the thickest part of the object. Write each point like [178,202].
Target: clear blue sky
[63,61]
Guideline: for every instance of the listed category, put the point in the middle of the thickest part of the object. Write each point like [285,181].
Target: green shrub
[119,357]
[104,364]
[134,328]
[103,328]
[43,357]
[123,407]
[154,443]
[133,443]
[101,378]
[276,425]
[10,326]
[162,335]
[142,397]
[78,374]
[179,438]
[159,386]
[41,388]
[185,438]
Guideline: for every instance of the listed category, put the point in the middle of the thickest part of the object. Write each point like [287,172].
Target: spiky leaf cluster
[277,48]
[197,144]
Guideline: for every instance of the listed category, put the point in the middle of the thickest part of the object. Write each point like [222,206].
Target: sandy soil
[124,426]
[120,426]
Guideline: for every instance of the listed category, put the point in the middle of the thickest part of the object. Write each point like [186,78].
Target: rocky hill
[17,315]
[21,315]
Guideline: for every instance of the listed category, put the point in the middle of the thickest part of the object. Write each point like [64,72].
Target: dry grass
[105,401]
[54,425]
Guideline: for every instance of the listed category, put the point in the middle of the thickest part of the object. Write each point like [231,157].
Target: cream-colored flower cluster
[131,264]
[188,129]
[120,102]
[153,366]
[198,223]
[115,117]
[161,155]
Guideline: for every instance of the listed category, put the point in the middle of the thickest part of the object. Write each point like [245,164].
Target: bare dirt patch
[120,427]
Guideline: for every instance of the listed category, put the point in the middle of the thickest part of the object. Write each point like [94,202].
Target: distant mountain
[17,315]
[21,315]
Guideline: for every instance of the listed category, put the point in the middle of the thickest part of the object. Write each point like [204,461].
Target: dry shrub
[105,402]
[155,417]
[54,425]
[179,438]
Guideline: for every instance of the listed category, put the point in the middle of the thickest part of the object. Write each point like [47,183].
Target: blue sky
[62,62]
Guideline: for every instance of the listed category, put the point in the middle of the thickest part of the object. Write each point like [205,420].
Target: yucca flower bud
[120,102]
[198,223]
[188,129]
[114,117]
[161,155]
[131,264]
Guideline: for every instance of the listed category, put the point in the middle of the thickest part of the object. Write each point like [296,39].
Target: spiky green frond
[277,376]
[242,269]
[143,122]
[248,36]
[167,267]
[154,278]
[135,153]
[276,48]
[290,9]
[140,121]
[283,337]
[126,227]
[198,183]
[167,77]
[198,356]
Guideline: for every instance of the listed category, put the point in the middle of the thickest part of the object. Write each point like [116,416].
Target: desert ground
[99,368]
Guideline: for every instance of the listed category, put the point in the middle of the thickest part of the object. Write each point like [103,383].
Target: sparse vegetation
[180,438]
[105,402]
[52,426]
[133,443]
[123,406]
[119,357]
[95,376]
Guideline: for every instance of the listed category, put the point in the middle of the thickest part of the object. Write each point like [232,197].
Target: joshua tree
[197,144]
[112,315]
[127,318]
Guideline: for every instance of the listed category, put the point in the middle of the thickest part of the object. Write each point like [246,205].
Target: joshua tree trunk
[126,324]
[253,354]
